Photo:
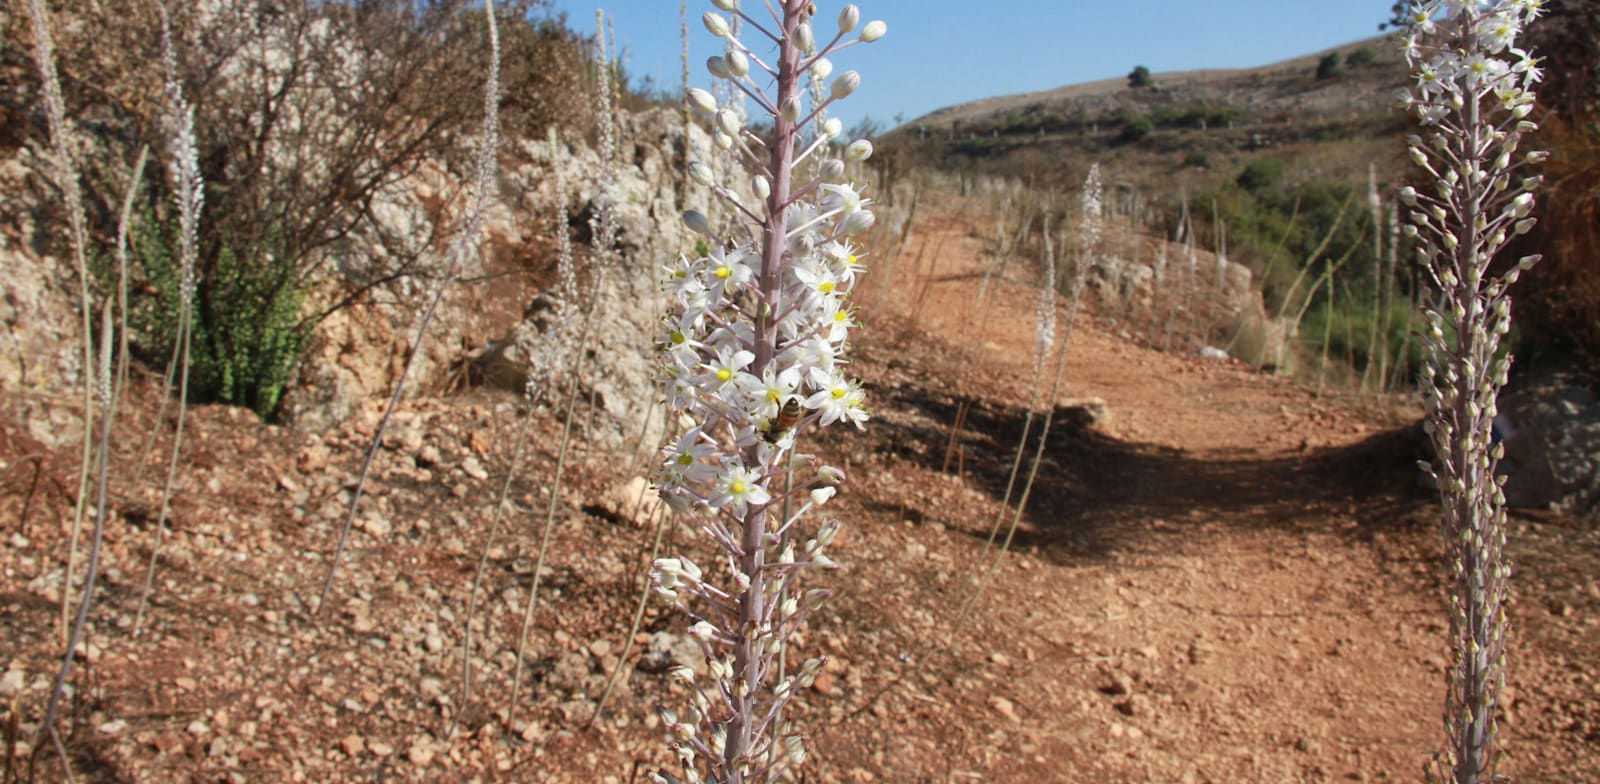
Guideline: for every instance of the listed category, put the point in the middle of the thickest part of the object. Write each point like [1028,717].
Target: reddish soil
[1221,577]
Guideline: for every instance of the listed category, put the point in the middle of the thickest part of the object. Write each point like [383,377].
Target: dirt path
[1226,579]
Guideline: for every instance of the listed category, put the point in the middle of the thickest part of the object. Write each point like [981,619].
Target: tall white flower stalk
[1472,96]
[754,348]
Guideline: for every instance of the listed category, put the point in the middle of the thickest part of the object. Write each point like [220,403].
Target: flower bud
[728,122]
[718,68]
[873,31]
[697,222]
[832,127]
[702,101]
[832,170]
[701,173]
[822,68]
[790,110]
[845,85]
[1525,225]
[721,140]
[1408,195]
[859,150]
[857,222]
[804,38]
[821,495]
[731,6]
[738,63]
[1537,156]
[849,17]
[761,186]
[716,24]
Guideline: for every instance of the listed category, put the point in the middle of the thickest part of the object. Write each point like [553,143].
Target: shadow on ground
[1096,494]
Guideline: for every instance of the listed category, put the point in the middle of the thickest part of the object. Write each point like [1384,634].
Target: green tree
[1139,77]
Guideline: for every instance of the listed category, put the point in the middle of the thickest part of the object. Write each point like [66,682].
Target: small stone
[19,541]
[218,747]
[113,727]
[1117,684]
[999,659]
[1006,710]
[377,525]
[380,748]
[12,682]
[353,744]
[420,753]
[600,648]
[197,728]
[433,642]
[471,467]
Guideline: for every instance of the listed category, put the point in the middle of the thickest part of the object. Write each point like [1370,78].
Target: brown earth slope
[1223,579]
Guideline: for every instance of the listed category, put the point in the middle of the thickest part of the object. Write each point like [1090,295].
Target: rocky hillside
[1196,126]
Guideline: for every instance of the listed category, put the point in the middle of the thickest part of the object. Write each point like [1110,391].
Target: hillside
[1201,125]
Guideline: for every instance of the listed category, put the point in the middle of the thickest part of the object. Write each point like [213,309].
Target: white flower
[874,30]
[739,487]
[836,398]
[846,198]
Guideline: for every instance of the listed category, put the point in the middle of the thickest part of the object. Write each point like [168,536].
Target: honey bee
[787,418]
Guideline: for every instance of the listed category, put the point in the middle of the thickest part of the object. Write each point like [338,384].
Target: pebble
[1006,709]
[471,467]
[353,744]
[11,682]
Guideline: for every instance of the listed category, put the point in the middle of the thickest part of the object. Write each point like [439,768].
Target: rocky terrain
[1221,577]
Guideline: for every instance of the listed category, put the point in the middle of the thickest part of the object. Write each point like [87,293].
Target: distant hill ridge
[1261,92]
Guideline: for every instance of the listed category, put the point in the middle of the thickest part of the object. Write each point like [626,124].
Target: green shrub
[1196,158]
[1139,77]
[1330,66]
[1361,58]
[1260,174]
[1134,128]
[248,332]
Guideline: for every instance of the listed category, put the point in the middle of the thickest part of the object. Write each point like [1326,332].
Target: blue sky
[944,52]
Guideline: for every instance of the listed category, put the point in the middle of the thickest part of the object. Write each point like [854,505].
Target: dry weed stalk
[64,169]
[464,245]
[183,167]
